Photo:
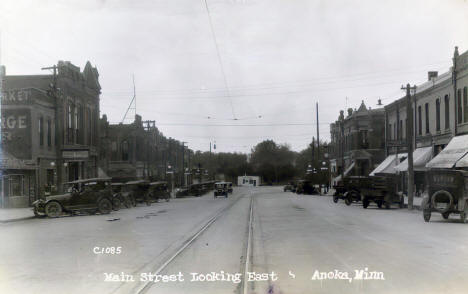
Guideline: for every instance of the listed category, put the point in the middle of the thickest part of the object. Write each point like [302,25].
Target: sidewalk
[15,214]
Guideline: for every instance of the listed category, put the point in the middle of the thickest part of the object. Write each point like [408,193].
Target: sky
[237,72]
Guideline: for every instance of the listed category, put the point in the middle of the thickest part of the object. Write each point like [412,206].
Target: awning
[388,165]
[456,149]
[421,156]
[346,172]
[463,162]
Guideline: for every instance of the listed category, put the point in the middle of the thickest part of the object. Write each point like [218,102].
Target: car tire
[365,202]
[104,206]
[53,209]
[387,204]
[446,215]
[335,198]
[379,203]
[348,201]
[116,203]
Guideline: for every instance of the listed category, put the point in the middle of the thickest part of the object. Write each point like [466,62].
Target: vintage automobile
[89,195]
[448,193]
[137,191]
[221,189]
[350,189]
[306,187]
[229,187]
[288,188]
[159,190]
[124,199]
[383,190]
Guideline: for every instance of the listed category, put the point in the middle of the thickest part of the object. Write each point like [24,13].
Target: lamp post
[171,172]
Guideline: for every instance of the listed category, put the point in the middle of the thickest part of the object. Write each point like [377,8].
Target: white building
[250,181]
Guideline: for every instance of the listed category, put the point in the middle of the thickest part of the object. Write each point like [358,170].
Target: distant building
[138,150]
[49,131]
[357,141]
[251,181]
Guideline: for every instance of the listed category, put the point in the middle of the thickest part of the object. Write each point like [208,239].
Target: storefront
[17,182]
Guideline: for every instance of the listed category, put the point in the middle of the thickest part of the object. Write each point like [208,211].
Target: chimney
[432,75]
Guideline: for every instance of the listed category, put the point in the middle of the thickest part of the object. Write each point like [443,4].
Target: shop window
[16,185]
[437,114]
[447,112]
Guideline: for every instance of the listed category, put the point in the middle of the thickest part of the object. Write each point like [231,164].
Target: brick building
[49,131]
[357,141]
[139,150]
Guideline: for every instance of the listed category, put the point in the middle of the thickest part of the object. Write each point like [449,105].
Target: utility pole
[59,126]
[318,132]
[409,142]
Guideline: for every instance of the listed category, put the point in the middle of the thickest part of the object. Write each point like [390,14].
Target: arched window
[125,150]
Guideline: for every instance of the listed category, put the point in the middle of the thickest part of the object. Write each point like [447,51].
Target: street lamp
[171,172]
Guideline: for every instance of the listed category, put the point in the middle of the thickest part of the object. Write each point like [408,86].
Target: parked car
[89,195]
[448,193]
[383,190]
[350,189]
[306,187]
[159,190]
[137,191]
[221,189]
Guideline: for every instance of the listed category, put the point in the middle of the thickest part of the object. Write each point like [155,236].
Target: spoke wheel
[53,209]
[104,206]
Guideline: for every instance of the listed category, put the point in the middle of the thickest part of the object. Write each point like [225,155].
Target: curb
[16,219]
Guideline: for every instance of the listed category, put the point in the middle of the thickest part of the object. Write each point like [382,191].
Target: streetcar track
[185,244]
[249,249]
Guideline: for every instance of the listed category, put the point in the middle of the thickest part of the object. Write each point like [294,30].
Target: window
[125,150]
[426,110]
[41,131]
[447,112]
[49,132]
[400,132]
[88,129]
[419,121]
[465,105]
[459,107]
[438,115]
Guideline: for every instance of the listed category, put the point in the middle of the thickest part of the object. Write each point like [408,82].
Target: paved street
[260,230]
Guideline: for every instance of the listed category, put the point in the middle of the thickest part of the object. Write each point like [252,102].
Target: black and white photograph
[234,146]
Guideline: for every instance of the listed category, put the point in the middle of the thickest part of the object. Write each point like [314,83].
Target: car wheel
[116,203]
[128,203]
[335,199]
[379,203]
[348,201]
[104,206]
[53,209]
[387,204]
[445,215]
[365,202]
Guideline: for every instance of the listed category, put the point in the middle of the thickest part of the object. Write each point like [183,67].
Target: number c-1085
[107,250]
